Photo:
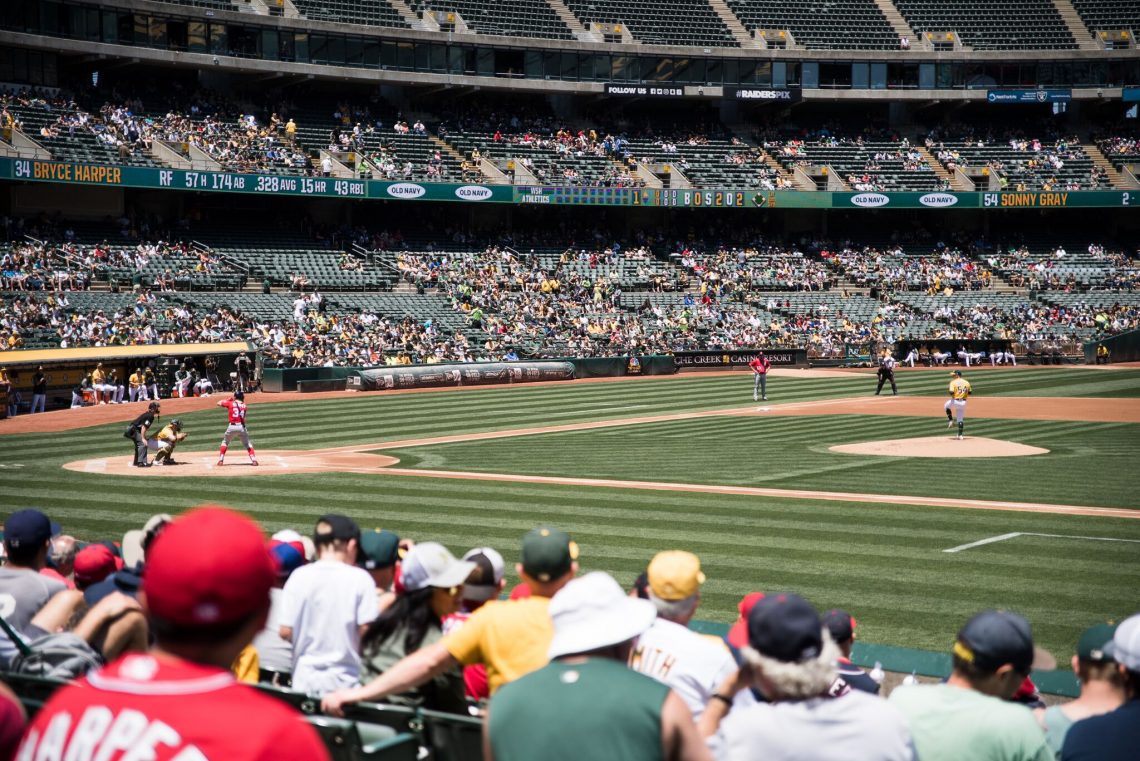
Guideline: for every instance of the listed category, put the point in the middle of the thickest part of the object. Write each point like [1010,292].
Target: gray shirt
[273,652]
[22,593]
[854,727]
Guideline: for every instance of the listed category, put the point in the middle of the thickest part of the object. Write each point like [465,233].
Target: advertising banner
[762,94]
[719,360]
[644,91]
[1055,95]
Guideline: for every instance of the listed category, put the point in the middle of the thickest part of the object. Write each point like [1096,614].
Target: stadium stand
[862,165]
[665,22]
[369,12]
[992,24]
[1108,15]
[513,18]
[821,24]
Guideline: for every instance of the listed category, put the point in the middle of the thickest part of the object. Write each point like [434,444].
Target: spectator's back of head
[1125,649]
[548,555]
[487,579]
[337,533]
[26,536]
[208,577]
[675,580]
[93,564]
[592,614]
[994,652]
[789,648]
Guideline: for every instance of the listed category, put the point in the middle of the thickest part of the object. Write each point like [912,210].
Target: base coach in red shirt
[206,594]
[760,365]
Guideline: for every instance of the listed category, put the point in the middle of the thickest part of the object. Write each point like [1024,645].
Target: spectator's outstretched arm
[407,674]
[680,740]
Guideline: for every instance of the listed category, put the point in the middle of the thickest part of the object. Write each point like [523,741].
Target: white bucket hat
[592,612]
[430,564]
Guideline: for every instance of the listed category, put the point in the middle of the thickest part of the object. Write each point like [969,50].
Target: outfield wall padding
[475,374]
[276,379]
[323,384]
[1121,348]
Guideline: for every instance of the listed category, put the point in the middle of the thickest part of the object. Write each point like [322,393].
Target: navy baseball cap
[27,528]
[994,638]
[840,623]
[786,627]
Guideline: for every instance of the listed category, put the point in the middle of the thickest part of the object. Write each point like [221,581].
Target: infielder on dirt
[959,392]
[236,408]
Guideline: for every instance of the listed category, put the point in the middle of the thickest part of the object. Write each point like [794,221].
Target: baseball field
[905,526]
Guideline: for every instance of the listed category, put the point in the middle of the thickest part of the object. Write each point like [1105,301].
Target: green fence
[1121,348]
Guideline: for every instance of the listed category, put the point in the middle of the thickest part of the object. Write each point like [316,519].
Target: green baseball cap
[378,549]
[1091,645]
[547,553]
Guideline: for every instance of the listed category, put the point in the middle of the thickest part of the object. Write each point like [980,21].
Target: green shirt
[598,709]
[950,724]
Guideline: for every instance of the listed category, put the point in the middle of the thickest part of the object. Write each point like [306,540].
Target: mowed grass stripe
[736,451]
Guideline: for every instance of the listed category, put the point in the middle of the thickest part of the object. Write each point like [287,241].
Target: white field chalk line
[1015,534]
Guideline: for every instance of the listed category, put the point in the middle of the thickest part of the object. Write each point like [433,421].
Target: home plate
[940,446]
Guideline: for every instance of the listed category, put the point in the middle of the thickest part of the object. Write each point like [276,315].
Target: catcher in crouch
[168,438]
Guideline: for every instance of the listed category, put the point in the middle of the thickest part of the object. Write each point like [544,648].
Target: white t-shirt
[272,651]
[693,665]
[854,727]
[326,602]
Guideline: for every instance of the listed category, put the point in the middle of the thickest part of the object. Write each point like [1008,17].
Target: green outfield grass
[885,563]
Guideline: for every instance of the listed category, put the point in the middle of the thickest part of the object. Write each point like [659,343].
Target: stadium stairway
[1085,39]
[411,17]
[898,23]
[1117,178]
[579,31]
[739,33]
[942,172]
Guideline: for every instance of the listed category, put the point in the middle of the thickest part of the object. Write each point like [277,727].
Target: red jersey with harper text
[144,707]
[237,411]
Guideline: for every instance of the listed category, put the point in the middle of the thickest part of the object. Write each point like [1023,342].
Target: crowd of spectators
[562,665]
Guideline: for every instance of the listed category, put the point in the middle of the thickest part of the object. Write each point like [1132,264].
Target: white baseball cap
[1125,645]
[491,568]
[430,564]
[592,612]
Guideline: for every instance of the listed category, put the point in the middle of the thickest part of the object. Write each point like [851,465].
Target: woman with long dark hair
[431,583]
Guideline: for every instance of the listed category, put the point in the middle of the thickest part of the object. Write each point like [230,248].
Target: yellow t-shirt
[511,637]
[97,377]
[247,667]
[960,389]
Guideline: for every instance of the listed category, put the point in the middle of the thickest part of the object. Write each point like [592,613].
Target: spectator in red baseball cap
[206,594]
[93,563]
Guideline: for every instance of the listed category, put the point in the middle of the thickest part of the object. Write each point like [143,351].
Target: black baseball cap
[340,527]
[786,627]
[993,638]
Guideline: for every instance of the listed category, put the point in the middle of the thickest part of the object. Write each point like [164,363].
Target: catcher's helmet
[176,423]
[239,395]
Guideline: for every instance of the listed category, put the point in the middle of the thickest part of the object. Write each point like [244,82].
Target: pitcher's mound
[271,463]
[940,446]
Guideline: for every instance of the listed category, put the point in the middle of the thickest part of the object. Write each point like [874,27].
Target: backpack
[59,656]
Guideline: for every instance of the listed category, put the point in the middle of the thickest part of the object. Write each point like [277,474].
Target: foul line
[1015,534]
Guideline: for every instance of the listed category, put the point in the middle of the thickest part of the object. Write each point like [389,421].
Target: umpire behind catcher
[887,373]
[137,432]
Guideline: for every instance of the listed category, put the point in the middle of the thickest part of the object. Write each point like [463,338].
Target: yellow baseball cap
[675,574]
